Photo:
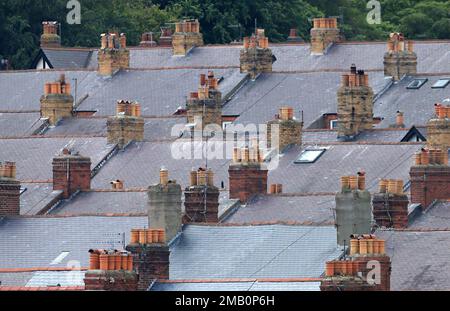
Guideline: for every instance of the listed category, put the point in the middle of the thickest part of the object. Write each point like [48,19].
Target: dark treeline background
[222,21]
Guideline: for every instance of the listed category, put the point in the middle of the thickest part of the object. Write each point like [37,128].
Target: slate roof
[315,209]
[160,92]
[37,197]
[377,160]
[276,251]
[313,93]
[139,164]
[68,58]
[33,156]
[37,242]
[94,203]
[417,105]
[21,90]
[436,217]
[19,124]
[375,135]
[240,286]
[433,56]
[15,278]
[419,259]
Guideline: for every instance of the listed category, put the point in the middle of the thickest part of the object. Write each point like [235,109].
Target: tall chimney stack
[355,104]
[438,128]
[430,177]
[256,57]
[187,36]
[324,34]
[71,173]
[289,129]
[206,104]
[355,272]
[247,174]
[400,59]
[201,198]
[50,37]
[127,125]
[353,208]
[113,54]
[57,101]
[165,206]
[390,205]
[9,190]
[151,256]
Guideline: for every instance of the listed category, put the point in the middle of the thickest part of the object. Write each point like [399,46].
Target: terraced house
[176,165]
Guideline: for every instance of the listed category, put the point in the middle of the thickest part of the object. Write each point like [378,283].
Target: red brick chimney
[247,174]
[110,271]
[201,198]
[71,172]
[9,190]
[368,268]
[430,177]
[147,40]
[151,255]
[390,205]
[165,40]
[50,37]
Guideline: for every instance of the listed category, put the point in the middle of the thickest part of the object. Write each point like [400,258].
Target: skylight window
[441,84]
[310,155]
[416,84]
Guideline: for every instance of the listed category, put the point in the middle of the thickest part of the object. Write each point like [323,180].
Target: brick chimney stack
[289,129]
[110,271]
[356,272]
[247,174]
[57,101]
[201,198]
[151,256]
[71,173]
[127,125]
[430,177]
[390,205]
[438,128]
[353,208]
[324,34]
[113,54]
[165,206]
[50,37]
[165,39]
[9,190]
[355,104]
[147,40]
[187,36]
[256,57]
[206,104]
[400,59]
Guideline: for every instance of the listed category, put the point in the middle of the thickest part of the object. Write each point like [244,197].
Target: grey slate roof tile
[104,203]
[313,93]
[417,105]
[436,217]
[18,124]
[419,260]
[36,197]
[67,58]
[160,92]
[34,157]
[276,251]
[301,209]
[238,286]
[36,242]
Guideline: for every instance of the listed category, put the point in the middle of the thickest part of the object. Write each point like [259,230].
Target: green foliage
[221,21]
